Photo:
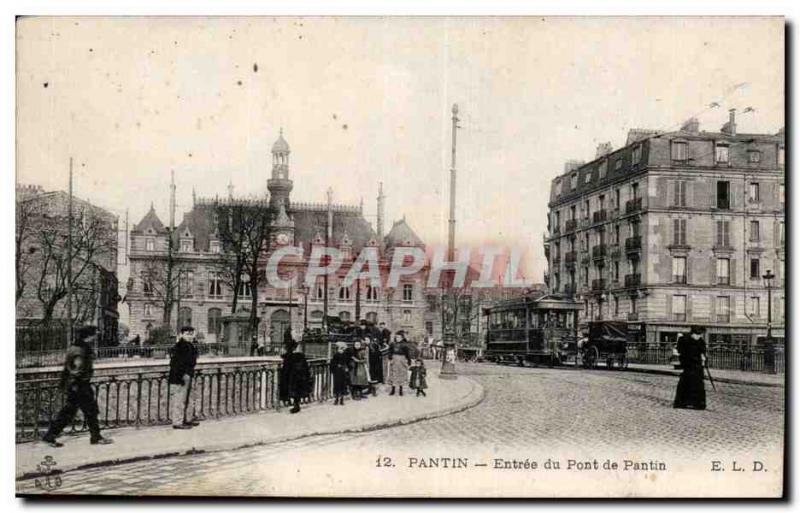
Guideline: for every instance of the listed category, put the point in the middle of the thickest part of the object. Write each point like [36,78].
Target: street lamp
[768,277]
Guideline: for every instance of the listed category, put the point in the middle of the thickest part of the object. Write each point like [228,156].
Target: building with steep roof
[204,300]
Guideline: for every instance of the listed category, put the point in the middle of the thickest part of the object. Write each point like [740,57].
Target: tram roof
[545,302]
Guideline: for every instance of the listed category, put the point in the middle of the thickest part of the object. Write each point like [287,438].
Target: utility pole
[448,370]
[69,259]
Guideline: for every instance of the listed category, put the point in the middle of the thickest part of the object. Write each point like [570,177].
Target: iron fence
[27,359]
[727,359]
[142,398]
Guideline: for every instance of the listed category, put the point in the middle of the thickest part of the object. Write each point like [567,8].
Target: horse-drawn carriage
[608,342]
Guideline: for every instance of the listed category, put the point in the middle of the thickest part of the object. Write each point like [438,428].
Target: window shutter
[688,269]
[713,308]
[688,307]
[732,271]
[669,306]
[675,230]
[675,193]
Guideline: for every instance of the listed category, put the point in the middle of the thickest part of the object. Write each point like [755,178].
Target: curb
[733,381]
[475,396]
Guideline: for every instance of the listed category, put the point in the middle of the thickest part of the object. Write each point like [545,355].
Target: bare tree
[93,242]
[243,227]
[28,210]
[160,275]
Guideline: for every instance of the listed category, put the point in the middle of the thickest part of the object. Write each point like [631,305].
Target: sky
[368,100]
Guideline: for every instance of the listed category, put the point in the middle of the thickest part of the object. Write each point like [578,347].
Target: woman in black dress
[691,391]
[295,377]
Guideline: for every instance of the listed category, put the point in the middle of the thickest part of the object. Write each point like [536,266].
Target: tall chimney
[381,201]
[730,127]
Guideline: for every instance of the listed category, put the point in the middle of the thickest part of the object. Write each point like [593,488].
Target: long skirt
[691,391]
[398,371]
[358,375]
[375,366]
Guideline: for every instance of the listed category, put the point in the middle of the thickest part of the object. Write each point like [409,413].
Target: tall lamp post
[449,333]
[768,277]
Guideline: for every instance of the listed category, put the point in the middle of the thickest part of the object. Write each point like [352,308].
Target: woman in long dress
[358,371]
[691,392]
[399,361]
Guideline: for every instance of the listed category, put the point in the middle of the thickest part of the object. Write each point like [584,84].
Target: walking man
[691,391]
[181,370]
[76,383]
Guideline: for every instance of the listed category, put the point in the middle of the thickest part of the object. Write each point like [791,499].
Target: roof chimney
[572,165]
[603,149]
[730,127]
[692,126]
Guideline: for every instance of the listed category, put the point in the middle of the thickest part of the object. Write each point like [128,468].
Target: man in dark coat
[76,383]
[295,378]
[691,391]
[386,334]
[183,358]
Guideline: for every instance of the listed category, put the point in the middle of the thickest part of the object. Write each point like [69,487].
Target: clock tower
[282,229]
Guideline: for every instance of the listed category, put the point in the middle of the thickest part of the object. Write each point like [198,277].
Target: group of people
[375,358]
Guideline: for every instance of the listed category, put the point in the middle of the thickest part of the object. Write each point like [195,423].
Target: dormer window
[680,151]
[637,154]
[722,154]
[588,177]
[186,246]
[573,181]
[753,156]
[214,246]
[602,169]
[149,244]
[618,165]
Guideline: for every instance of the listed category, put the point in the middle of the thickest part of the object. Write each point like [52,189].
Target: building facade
[675,229]
[42,259]
[205,300]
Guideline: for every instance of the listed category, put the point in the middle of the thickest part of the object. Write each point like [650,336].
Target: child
[340,368]
[418,373]
[358,372]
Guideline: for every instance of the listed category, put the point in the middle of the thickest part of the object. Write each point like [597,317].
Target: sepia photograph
[400,256]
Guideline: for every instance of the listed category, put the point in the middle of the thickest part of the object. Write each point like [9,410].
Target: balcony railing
[600,216]
[634,205]
[599,252]
[633,280]
[571,225]
[633,244]
[599,284]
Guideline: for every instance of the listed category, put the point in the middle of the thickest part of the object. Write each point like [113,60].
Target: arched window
[372,317]
[344,316]
[372,293]
[344,293]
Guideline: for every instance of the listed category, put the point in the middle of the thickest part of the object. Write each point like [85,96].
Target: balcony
[571,225]
[600,216]
[633,280]
[633,244]
[599,284]
[634,205]
[614,251]
[599,252]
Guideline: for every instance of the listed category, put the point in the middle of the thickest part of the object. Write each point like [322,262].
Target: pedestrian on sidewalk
[399,361]
[691,392]
[340,368]
[419,379]
[183,358]
[375,361]
[295,379]
[358,371]
[76,384]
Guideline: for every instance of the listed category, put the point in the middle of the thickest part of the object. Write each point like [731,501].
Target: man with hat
[691,392]
[76,383]
[295,376]
[183,358]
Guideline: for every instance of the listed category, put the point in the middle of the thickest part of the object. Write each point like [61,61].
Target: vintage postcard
[400,257]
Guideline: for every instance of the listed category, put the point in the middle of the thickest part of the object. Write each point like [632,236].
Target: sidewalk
[719,375]
[131,444]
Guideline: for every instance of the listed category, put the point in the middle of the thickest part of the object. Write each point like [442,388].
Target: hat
[186,329]
[400,332]
[698,330]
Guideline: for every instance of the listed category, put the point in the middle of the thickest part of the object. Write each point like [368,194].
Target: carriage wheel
[590,357]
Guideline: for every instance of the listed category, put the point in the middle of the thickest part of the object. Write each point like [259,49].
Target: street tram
[532,330]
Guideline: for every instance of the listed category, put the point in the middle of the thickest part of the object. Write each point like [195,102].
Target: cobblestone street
[527,412]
